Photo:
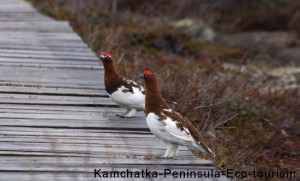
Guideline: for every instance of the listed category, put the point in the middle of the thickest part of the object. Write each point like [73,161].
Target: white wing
[125,98]
[172,129]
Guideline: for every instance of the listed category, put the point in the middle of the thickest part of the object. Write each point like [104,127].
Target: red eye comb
[148,72]
[105,54]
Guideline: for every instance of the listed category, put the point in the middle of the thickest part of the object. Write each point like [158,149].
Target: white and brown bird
[123,91]
[167,124]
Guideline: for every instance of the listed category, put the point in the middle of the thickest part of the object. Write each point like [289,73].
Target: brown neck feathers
[111,78]
[154,101]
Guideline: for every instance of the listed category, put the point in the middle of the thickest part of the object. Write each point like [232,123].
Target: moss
[297,76]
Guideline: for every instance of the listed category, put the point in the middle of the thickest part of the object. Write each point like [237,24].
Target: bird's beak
[141,76]
[138,78]
[102,57]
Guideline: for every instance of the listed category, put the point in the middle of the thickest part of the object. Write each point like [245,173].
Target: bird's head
[147,74]
[105,57]
[150,80]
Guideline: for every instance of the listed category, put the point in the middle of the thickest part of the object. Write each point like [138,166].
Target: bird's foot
[167,156]
[171,151]
[128,114]
[124,116]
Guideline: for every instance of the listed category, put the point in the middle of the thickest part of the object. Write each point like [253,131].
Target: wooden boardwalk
[56,120]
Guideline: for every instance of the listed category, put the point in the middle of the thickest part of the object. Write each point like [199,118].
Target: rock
[196,28]
[277,48]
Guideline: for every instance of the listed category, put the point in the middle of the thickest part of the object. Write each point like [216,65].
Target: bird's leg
[173,151]
[130,113]
[169,149]
[123,115]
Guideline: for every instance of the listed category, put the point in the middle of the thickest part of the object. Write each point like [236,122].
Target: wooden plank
[40,35]
[89,176]
[68,133]
[56,58]
[13,8]
[76,132]
[93,150]
[100,112]
[15,71]
[80,109]
[45,47]
[83,163]
[49,85]
[48,26]
[132,143]
[106,111]
[42,75]
[57,43]
[63,80]
[9,61]
[90,149]
[19,14]
[111,122]
[50,65]
[53,61]
[86,54]
[54,100]
[56,91]
[92,118]
[22,19]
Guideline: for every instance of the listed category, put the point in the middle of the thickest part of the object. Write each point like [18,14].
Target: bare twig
[209,112]
[121,58]
[243,59]
[218,123]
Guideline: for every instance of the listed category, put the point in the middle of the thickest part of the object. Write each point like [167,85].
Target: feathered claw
[128,114]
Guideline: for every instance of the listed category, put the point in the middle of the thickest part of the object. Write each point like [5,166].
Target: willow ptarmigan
[168,125]
[124,92]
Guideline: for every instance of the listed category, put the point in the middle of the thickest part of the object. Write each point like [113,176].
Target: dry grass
[248,125]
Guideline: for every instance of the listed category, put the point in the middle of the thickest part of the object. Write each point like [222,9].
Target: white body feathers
[167,131]
[129,100]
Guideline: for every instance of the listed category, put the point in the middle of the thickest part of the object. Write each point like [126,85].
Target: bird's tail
[201,154]
[203,151]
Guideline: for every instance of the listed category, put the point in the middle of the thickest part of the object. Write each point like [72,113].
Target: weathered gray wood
[56,119]
[11,71]
[89,176]
[36,26]
[83,163]
[69,57]
[45,47]
[38,36]
[50,61]
[53,43]
[81,134]
[10,61]
[53,91]
[49,85]
[43,75]
[85,54]
[42,41]
[101,123]
[54,100]
[54,108]
[50,65]
[21,19]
